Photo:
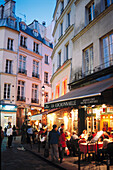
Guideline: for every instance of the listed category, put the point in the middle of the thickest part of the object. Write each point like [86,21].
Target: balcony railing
[35,75]
[80,74]
[21,98]
[34,100]
[23,71]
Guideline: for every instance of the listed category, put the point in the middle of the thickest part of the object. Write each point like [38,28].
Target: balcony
[23,45]
[99,71]
[34,100]
[22,71]
[35,75]
[21,98]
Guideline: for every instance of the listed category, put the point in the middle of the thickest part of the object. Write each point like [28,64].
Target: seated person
[74,143]
[103,151]
[84,135]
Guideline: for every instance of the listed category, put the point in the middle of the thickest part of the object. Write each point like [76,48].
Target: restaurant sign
[76,102]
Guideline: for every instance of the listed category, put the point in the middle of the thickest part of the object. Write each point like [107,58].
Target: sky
[41,10]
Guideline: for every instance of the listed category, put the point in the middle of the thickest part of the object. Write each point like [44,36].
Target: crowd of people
[58,141]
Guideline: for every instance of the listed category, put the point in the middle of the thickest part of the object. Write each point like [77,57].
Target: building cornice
[13,30]
[61,16]
[9,51]
[24,50]
[97,19]
[62,38]
[28,78]
[77,1]
[7,74]
[59,70]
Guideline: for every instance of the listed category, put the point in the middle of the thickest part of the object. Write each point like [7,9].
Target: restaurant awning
[36,117]
[89,94]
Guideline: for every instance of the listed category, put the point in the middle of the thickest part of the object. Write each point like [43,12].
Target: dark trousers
[10,138]
[61,153]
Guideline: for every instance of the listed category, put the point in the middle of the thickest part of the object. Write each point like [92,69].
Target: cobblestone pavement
[30,159]
[14,159]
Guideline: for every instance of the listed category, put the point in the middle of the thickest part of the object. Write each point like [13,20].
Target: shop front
[7,114]
[88,107]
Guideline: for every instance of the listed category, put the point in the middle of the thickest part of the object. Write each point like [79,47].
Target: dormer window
[23,25]
[35,33]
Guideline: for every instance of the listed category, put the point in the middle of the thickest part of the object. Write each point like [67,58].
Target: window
[23,26]
[21,90]
[35,47]
[23,41]
[91,12]
[67,55]
[88,60]
[107,49]
[22,64]
[59,59]
[34,93]
[108,3]
[8,67]
[35,33]
[46,77]
[45,97]
[35,72]
[62,6]
[68,19]
[57,91]
[61,29]
[7,91]
[46,59]
[10,44]
[64,87]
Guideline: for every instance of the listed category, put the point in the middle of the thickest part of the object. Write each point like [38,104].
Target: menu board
[98,135]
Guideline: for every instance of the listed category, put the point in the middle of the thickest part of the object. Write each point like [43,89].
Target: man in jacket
[53,141]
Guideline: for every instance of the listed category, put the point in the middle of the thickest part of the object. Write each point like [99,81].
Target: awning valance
[36,117]
[89,94]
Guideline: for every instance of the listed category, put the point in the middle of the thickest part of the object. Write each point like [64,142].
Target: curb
[48,161]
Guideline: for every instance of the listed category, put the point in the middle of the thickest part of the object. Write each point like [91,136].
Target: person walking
[2,134]
[53,141]
[30,135]
[14,132]
[23,133]
[61,145]
[9,134]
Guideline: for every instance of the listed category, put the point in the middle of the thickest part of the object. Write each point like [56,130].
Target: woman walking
[62,145]
[10,135]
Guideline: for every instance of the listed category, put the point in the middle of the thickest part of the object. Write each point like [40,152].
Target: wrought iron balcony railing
[23,71]
[35,75]
[21,98]
[80,74]
[34,100]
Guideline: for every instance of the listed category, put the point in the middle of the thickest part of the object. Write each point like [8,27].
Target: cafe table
[90,148]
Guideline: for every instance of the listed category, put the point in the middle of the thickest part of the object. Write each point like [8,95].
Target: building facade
[90,99]
[25,66]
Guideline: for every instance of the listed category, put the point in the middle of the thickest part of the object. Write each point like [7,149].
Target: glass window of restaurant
[100,118]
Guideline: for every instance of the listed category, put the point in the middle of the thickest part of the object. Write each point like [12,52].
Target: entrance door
[6,120]
[105,125]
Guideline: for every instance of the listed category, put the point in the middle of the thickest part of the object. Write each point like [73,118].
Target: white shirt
[9,132]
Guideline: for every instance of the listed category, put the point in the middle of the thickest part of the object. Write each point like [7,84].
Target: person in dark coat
[23,133]
[14,132]
[53,141]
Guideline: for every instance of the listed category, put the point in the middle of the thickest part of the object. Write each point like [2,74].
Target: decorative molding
[22,49]
[9,51]
[65,64]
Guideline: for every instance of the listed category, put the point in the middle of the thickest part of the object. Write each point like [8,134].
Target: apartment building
[89,103]
[25,69]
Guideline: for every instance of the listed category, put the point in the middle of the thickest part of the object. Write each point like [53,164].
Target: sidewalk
[69,162]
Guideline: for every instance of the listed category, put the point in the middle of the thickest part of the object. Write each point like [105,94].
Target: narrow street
[14,159]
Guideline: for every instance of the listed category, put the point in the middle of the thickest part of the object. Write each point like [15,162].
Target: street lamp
[43,89]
